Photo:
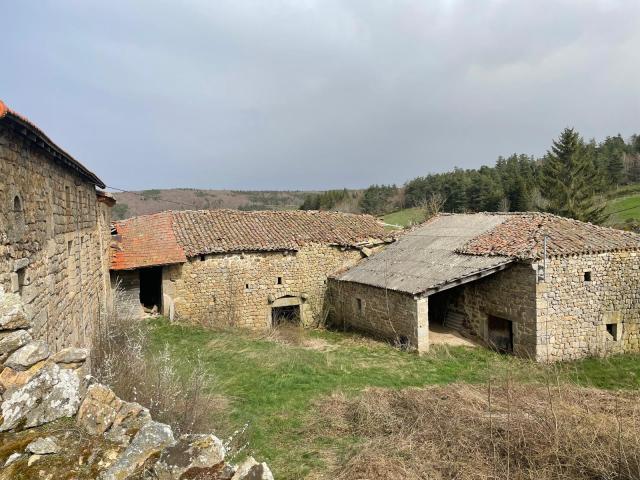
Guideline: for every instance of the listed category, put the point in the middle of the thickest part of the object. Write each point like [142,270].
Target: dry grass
[459,431]
[182,397]
[296,336]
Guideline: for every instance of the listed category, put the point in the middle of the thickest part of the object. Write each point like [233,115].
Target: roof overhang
[29,131]
[455,282]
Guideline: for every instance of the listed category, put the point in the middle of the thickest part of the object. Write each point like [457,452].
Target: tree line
[570,180]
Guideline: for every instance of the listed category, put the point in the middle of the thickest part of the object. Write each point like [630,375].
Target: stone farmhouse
[537,285]
[233,268]
[54,234]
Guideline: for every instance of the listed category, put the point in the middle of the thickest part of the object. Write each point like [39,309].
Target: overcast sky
[315,94]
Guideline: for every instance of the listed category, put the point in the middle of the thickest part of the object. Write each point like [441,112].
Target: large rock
[70,355]
[129,419]
[252,470]
[28,355]
[102,412]
[51,394]
[11,341]
[149,441]
[193,456]
[43,446]
[12,314]
[99,409]
[11,380]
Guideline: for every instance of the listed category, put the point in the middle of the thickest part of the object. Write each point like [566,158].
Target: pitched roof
[217,231]
[171,237]
[425,258]
[521,235]
[26,128]
[146,241]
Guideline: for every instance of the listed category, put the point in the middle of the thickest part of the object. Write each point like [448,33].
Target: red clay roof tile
[170,237]
[522,235]
[146,241]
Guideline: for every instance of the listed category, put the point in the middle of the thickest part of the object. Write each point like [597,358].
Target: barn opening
[288,315]
[151,288]
[444,311]
[500,334]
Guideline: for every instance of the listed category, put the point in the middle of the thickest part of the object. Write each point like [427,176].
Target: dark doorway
[438,308]
[289,315]
[151,288]
[500,334]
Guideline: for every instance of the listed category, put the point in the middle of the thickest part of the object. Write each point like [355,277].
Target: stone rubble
[43,446]
[37,388]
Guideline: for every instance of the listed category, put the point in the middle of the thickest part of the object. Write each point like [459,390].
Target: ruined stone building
[54,234]
[233,268]
[536,285]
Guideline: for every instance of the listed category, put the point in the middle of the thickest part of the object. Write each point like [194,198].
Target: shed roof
[425,258]
[25,127]
[171,237]
[450,248]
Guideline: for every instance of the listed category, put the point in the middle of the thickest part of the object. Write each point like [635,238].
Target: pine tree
[569,177]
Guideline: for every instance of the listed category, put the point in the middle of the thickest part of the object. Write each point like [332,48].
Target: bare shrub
[505,431]
[123,359]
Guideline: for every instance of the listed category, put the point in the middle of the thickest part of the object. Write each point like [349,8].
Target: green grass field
[623,206]
[273,382]
[405,218]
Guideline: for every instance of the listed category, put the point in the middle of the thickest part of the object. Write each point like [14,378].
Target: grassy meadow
[278,384]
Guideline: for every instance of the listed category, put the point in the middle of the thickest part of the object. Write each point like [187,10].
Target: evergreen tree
[568,179]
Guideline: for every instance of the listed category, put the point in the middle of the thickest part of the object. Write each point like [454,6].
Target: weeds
[123,360]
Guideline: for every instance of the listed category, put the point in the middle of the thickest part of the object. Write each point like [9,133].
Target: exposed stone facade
[241,289]
[573,312]
[395,316]
[561,317]
[54,242]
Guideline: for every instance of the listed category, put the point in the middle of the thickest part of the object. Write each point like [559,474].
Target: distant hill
[131,204]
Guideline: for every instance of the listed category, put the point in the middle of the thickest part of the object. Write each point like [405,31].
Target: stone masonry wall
[54,241]
[573,313]
[126,290]
[508,294]
[392,315]
[240,289]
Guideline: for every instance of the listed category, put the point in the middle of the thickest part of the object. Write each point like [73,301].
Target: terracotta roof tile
[146,241]
[45,142]
[170,237]
[521,235]
[217,231]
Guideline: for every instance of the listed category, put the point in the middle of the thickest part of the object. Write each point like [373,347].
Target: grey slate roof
[425,258]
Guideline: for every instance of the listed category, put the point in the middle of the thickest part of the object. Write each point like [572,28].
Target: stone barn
[54,235]
[532,284]
[234,268]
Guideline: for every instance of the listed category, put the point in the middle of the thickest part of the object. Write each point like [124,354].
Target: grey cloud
[316,94]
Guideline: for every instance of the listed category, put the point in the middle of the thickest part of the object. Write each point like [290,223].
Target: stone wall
[125,285]
[509,294]
[573,312]
[396,316]
[108,438]
[54,241]
[240,289]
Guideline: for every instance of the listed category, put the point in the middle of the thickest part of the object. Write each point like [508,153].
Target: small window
[69,247]
[17,204]
[203,258]
[279,281]
[247,286]
[587,276]
[359,304]
[67,199]
[612,330]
